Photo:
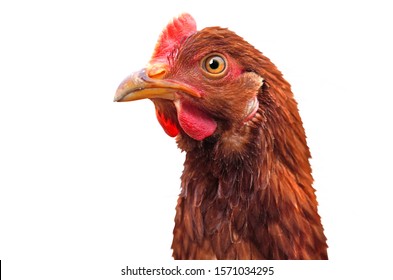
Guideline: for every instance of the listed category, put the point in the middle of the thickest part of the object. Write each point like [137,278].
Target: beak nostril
[156,71]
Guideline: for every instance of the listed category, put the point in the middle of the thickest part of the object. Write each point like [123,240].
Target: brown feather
[246,190]
[253,195]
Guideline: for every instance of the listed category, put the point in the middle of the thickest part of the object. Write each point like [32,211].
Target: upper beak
[140,85]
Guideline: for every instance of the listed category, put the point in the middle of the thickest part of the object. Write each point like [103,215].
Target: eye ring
[214,65]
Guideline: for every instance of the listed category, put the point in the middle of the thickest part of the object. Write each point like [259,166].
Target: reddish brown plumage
[246,190]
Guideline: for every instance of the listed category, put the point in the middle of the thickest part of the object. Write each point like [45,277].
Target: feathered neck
[254,201]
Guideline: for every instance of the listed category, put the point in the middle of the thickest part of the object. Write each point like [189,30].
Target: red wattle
[169,127]
[195,122]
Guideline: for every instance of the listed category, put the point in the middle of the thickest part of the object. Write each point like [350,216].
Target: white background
[88,186]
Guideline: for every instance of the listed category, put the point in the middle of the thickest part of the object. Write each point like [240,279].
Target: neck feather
[255,185]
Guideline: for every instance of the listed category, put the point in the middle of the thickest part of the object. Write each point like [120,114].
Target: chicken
[246,188]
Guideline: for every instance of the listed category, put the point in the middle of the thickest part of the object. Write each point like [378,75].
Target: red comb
[173,35]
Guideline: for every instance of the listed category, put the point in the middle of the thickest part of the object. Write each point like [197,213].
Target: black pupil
[214,63]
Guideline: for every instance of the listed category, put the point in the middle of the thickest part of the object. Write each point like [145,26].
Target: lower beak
[140,85]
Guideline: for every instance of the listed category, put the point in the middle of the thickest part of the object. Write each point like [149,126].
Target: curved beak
[140,85]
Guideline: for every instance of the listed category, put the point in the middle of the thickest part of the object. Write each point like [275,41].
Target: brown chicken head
[202,83]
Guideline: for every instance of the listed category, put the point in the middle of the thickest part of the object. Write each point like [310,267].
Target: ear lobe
[169,127]
[173,35]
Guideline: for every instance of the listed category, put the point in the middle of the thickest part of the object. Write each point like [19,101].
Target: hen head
[247,185]
[203,83]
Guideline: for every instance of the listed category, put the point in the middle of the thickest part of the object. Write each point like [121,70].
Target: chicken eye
[214,64]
